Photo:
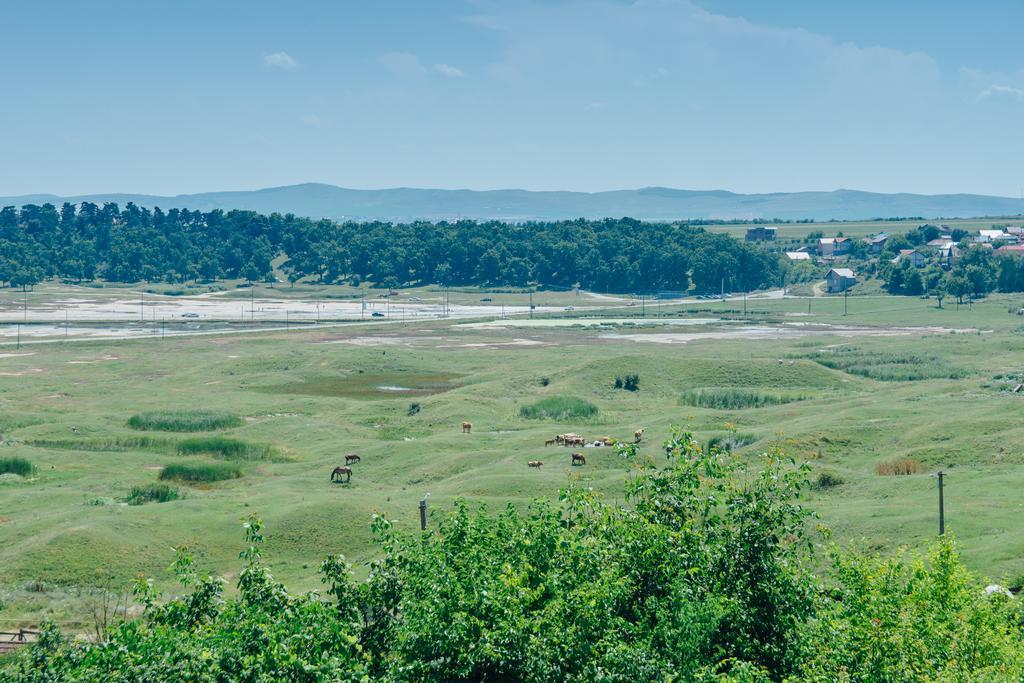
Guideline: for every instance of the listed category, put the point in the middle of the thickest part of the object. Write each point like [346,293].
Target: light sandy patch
[101,359]
[22,373]
[494,345]
[793,331]
[15,355]
[589,322]
[381,340]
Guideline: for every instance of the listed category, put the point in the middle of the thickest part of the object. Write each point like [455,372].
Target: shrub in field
[15,465]
[897,467]
[225,448]
[704,575]
[827,480]
[734,399]
[414,408]
[152,493]
[184,420]
[731,442]
[629,382]
[559,408]
[200,473]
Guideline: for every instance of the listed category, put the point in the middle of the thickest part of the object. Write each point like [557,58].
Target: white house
[833,246]
[798,256]
[839,280]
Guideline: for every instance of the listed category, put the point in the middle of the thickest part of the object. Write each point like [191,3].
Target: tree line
[133,244]
[706,574]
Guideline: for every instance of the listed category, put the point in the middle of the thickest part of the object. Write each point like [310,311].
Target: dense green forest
[135,244]
[706,573]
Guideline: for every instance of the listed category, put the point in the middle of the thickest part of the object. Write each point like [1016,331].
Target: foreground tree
[703,575]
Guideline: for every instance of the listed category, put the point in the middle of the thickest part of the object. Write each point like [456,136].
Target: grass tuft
[734,399]
[226,448]
[15,465]
[184,420]
[200,473]
[559,408]
[898,467]
[887,366]
[152,493]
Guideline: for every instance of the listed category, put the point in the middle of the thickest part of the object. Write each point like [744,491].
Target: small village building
[877,242]
[798,256]
[839,280]
[829,247]
[762,233]
[912,255]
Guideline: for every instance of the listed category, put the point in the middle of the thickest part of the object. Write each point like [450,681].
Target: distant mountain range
[650,203]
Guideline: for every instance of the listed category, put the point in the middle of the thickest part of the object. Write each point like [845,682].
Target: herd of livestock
[344,472]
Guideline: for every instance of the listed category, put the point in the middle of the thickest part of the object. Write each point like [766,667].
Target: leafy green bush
[731,442]
[577,590]
[827,480]
[225,448]
[629,382]
[152,493]
[200,473]
[559,408]
[184,420]
[16,465]
[734,399]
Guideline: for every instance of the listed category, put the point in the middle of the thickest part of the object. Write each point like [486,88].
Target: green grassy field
[893,378]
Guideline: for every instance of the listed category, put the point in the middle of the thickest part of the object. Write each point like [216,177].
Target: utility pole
[721,295]
[808,305]
[643,306]
[942,511]
[163,325]
[423,515]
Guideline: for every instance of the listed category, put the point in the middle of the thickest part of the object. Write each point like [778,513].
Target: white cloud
[1005,92]
[402,63]
[448,70]
[280,60]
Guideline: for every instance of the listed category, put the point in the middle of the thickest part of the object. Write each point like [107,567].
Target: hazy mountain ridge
[649,203]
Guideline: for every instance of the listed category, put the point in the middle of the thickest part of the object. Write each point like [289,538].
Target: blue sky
[745,95]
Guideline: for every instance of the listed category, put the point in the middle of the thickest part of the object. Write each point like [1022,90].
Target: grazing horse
[467,427]
[637,435]
[534,463]
[351,458]
[550,442]
[575,441]
[342,471]
[578,458]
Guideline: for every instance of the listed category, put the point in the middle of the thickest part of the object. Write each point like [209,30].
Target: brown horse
[534,463]
[351,458]
[549,442]
[578,458]
[338,472]
[637,435]
[467,427]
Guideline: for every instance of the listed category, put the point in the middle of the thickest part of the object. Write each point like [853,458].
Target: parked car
[487,298]
[377,314]
[570,308]
[189,315]
[415,299]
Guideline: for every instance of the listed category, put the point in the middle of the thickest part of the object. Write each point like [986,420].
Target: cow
[637,435]
[339,472]
[534,463]
[578,459]
[467,427]
[550,442]
[351,458]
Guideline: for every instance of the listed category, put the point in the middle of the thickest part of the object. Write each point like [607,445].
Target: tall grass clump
[891,366]
[19,466]
[152,493]
[226,448]
[200,473]
[559,408]
[734,399]
[184,420]
[898,467]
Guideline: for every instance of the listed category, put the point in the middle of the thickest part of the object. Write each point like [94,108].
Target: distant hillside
[651,203]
